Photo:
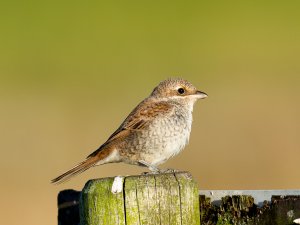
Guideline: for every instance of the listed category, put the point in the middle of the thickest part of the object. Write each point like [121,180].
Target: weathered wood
[281,210]
[162,205]
[98,205]
[189,199]
[170,198]
[260,196]
[241,209]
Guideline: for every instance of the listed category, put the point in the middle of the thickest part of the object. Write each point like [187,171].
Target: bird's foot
[160,171]
[150,173]
[156,170]
[169,170]
[153,169]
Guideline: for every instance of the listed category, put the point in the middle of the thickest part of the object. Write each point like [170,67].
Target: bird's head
[178,90]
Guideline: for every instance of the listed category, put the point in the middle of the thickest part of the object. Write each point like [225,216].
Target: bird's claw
[160,171]
[169,170]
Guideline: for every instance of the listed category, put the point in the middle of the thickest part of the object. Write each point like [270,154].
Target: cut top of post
[167,198]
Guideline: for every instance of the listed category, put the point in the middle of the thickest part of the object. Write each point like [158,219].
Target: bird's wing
[138,119]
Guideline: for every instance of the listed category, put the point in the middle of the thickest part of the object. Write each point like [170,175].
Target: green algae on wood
[98,205]
[189,199]
[241,210]
[167,198]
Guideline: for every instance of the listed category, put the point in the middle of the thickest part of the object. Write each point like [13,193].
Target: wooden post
[170,198]
[249,207]
[263,207]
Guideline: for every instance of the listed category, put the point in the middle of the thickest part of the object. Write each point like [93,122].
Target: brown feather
[79,168]
[83,166]
[140,117]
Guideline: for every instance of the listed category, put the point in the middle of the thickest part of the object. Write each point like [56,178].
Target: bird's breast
[166,137]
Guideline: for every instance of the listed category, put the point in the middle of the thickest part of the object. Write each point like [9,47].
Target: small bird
[157,129]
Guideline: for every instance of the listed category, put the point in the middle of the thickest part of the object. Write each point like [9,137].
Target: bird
[157,129]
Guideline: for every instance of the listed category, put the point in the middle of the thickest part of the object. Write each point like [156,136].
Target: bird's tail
[79,168]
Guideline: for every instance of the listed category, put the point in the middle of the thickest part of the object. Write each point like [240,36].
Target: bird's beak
[201,94]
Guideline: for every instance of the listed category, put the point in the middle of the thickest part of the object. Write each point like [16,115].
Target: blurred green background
[71,71]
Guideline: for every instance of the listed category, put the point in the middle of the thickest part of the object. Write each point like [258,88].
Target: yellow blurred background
[71,71]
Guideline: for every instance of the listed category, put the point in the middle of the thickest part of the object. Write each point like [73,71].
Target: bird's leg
[169,170]
[153,169]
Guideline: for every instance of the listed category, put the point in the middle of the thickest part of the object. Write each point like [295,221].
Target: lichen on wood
[98,205]
[167,198]
[241,210]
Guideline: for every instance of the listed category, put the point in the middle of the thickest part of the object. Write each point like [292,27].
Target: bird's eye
[180,91]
